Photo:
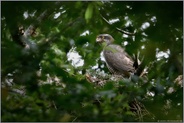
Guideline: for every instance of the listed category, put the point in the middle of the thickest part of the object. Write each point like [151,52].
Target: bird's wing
[118,59]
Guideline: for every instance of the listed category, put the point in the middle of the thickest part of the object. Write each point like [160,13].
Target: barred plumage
[117,60]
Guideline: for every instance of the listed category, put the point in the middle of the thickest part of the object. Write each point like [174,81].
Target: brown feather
[118,61]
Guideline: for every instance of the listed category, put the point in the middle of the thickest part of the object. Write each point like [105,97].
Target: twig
[125,32]
[120,30]
[74,119]
[54,105]
[95,80]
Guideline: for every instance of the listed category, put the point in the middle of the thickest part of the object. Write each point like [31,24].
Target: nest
[137,108]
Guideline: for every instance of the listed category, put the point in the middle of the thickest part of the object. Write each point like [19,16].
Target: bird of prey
[117,60]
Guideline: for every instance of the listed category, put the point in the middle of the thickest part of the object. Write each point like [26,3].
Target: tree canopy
[52,68]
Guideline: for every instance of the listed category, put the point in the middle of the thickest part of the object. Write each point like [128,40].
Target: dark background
[30,63]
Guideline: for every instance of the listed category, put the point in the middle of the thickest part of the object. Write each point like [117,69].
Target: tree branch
[118,29]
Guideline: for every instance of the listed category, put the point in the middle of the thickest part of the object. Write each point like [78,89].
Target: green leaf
[89,12]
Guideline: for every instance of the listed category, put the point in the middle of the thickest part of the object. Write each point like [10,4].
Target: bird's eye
[105,37]
[99,37]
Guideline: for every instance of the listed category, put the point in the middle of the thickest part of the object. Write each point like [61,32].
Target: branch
[120,30]
[21,36]
[125,32]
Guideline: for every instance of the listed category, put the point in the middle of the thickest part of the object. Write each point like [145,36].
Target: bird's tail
[138,64]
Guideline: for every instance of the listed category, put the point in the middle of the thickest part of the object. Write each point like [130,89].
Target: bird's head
[104,38]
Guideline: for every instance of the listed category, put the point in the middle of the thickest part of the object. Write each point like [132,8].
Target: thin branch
[74,119]
[30,31]
[105,19]
[54,105]
[120,30]
[125,32]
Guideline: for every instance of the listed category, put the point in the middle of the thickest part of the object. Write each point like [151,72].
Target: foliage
[50,73]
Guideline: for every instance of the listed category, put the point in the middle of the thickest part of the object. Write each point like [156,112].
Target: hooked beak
[98,39]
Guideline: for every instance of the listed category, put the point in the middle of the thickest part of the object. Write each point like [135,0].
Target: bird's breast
[118,62]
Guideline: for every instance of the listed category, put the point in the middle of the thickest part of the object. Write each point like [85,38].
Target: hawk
[117,60]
